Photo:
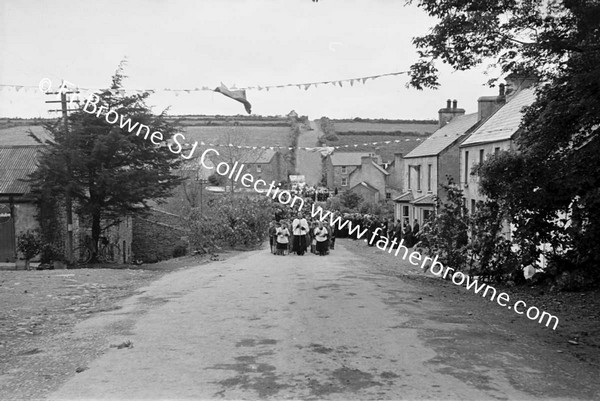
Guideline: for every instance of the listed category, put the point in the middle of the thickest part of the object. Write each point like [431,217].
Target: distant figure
[321,237]
[333,233]
[282,239]
[273,236]
[416,228]
[407,235]
[300,227]
[398,230]
[415,232]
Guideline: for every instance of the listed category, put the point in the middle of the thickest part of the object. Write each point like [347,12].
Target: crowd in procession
[300,235]
[387,228]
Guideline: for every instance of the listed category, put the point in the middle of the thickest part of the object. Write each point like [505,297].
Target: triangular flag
[239,95]
[306,87]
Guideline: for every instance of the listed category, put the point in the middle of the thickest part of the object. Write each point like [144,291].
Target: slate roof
[444,137]
[16,163]
[405,197]
[381,169]
[257,156]
[503,124]
[347,158]
[366,185]
[425,200]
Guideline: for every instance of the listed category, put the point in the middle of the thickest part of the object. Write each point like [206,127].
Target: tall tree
[114,172]
[555,173]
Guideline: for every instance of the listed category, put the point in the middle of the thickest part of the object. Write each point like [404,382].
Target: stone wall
[156,236]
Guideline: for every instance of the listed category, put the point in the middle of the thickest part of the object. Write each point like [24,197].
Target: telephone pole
[68,200]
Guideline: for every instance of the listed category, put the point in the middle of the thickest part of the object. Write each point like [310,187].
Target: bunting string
[303,85]
[320,149]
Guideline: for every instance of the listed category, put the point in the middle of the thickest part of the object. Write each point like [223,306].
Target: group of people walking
[300,237]
[401,232]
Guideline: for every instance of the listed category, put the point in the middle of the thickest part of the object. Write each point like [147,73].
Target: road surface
[260,326]
[309,163]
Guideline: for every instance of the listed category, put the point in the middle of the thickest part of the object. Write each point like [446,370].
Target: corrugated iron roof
[19,136]
[347,158]
[444,137]
[16,163]
[503,124]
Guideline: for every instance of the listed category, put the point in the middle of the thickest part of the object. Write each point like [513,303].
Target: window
[258,168]
[344,171]
[344,182]
[404,211]
[481,154]
[426,214]
[388,195]
[466,167]
[496,151]
[429,177]
[472,205]
[418,168]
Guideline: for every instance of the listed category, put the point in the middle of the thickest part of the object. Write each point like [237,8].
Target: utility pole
[68,200]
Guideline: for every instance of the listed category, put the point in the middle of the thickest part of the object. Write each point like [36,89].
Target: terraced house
[437,160]
[495,134]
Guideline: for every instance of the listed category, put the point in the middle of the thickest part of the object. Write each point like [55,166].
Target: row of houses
[462,141]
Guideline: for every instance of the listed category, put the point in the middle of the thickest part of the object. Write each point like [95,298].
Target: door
[7,234]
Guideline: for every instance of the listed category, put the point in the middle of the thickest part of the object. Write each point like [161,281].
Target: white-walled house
[496,134]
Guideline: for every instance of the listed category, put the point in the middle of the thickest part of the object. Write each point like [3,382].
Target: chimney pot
[448,103]
[502,89]
[454,103]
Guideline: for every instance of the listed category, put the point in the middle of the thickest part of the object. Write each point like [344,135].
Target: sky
[186,44]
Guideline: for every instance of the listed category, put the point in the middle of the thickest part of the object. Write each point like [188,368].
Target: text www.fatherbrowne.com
[437,268]
[286,198]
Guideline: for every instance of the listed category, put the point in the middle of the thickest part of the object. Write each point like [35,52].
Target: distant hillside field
[421,128]
[386,151]
[240,135]
[18,136]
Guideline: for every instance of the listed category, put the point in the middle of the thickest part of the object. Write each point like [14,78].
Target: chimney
[398,159]
[488,105]
[517,82]
[396,178]
[451,111]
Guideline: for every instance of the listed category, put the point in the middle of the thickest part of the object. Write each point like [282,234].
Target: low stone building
[369,179]
[17,204]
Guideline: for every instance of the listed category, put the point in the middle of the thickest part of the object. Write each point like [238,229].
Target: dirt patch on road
[38,347]
[573,347]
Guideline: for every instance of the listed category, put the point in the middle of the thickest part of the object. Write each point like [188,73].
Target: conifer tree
[113,172]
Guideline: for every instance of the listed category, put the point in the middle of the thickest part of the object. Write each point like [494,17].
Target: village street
[260,326]
[309,163]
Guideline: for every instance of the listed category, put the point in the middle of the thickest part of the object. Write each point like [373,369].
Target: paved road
[309,163]
[294,327]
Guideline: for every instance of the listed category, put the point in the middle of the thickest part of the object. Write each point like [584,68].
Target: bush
[29,244]
[49,253]
[233,221]
[179,250]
